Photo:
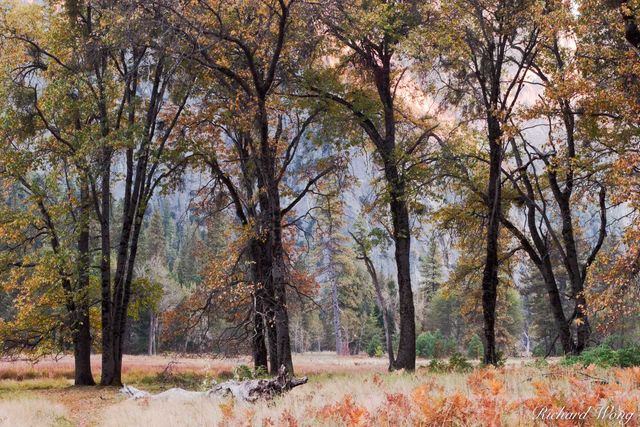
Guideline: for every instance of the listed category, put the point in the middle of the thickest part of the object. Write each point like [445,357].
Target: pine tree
[430,271]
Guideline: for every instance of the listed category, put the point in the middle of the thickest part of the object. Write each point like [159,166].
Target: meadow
[342,391]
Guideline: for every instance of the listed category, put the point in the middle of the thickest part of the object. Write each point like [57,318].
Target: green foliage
[374,347]
[539,363]
[430,271]
[244,372]
[145,295]
[456,363]
[605,357]
[539,351]
[260,372]
[437,366]
[476,348]
[433,345]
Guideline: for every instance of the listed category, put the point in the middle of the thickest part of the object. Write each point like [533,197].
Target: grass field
[353,391]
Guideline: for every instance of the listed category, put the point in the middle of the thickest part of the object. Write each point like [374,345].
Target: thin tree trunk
[337,327]
[380,300]
[151,334]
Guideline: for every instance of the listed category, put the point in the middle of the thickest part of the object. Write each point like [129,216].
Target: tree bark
[82,352]
[382,304]
[407,346]
[631,30]
[564,330]
[82,327]
[337,327]
[490,273]
[108,362]
[259,340]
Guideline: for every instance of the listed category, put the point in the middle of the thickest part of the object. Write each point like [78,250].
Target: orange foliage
[345,411]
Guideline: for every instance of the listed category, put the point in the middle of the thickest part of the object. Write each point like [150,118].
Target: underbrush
[480,397]
[453,393]
[605,357]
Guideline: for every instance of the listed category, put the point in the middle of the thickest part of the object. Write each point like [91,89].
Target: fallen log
[252,390]
[247,390]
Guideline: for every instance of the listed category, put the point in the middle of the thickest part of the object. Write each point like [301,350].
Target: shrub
[374,348]
[538,362]
[261,372]
[438,366]
[539,351]
[430,345]
[242,372]
[475,347]
[605,357]
[450,346]
[629,356]
[458,363]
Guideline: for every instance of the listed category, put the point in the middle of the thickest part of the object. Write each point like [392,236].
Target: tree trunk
[631,30]
[82,353]
[337,327]
[108,362]
[151,333]
[555,302]
[264,317]
[402,237]
[382,304]
[572,264]
[280,281]
[81,325]
[283,344]
[259,340]
[490,273]
[261,319]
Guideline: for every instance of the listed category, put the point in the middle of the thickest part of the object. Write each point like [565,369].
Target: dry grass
[341,391]
[32,412]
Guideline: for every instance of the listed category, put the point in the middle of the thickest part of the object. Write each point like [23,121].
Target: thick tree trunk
[259,340]
[108,362]
[572,264]
[280,280]
[402,237]
[82,352]
[265,313]
[490,273]
[631,30]
[564,330]
[261,301]
[283,343]
[82,327]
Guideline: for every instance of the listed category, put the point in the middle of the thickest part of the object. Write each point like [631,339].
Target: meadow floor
[342,391]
